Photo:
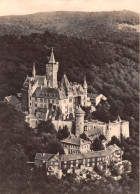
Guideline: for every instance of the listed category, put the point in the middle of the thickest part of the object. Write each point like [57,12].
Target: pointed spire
[52,59]
[34,71]
[118,119]
[85,83]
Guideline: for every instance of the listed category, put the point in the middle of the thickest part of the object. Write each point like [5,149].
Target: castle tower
[79,121]
[51,71]
[85,84]
[34,71]
[85,91]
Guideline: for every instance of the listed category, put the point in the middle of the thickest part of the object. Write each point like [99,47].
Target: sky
[20,7]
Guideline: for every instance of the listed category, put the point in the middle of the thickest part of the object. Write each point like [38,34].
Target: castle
[42,93]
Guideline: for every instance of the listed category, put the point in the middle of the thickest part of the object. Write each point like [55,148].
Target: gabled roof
[75,141]
[93,131]
[48,93]
[68,157]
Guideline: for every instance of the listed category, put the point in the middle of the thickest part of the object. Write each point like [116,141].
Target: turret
[79,121]
[85,91]
[34,71]
[85,83]
[51,71]
[118,119]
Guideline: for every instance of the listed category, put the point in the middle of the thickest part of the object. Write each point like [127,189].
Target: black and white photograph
[69,96]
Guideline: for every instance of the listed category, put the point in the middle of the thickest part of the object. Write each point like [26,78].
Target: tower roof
[118,119]
[85,83]
[52,59]
[79,110]
[33,71]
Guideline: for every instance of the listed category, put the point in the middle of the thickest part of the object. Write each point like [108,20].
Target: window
[36,99]
[52,101]
[35,105]
[41,100]
[57,102]
[30,104]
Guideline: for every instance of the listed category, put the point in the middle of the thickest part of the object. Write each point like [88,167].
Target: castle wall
[97,125]
[125,129]
[114,130]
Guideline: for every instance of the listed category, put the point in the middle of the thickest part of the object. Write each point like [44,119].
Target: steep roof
[49,93]
[79,110]
[33,80]
[65,81]
[40,79]
[52,59]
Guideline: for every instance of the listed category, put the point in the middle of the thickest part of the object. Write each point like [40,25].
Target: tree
[115,140]
[46,127]
[63,133]
[97,145]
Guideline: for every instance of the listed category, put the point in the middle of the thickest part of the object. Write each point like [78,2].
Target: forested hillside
[111,69]
[109,58]
[80,24]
